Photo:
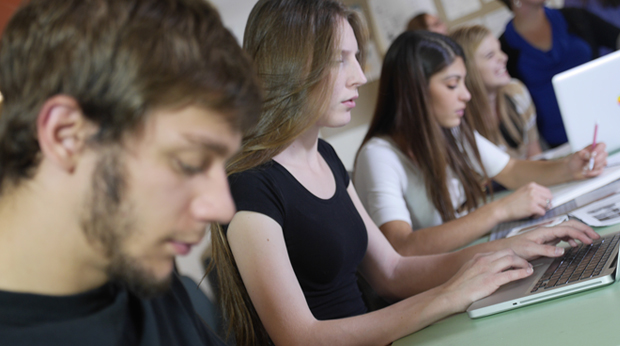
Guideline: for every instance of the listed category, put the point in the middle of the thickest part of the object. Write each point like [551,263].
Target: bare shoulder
[245,225]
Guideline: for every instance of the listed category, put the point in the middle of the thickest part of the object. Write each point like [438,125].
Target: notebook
[595,265]
[568,197]
[564,193]
[587,94]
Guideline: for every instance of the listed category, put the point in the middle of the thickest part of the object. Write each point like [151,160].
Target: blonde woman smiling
[501,108]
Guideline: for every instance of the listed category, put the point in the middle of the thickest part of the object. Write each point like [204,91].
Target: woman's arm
[383,178]
[258,246]
[533,149]
[398,276]
[526,201]
[574,167]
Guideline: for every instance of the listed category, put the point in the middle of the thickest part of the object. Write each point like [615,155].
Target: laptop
[579,269]
[587,94]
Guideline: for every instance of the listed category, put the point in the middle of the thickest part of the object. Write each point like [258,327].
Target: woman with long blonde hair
[501,107]
[287,261]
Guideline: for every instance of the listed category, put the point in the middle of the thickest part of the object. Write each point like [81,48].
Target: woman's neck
[304,162]
[532,24]
[529,17]
[303,150]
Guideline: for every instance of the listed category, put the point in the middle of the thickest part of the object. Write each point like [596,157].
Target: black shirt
[326,239]
[106,316]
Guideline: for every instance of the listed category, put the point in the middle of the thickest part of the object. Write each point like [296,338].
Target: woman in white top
[421,167]
[501,108]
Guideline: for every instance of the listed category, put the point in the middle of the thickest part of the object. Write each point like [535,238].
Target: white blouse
[392,188]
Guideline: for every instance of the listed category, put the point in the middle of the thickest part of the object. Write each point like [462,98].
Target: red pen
[593,155]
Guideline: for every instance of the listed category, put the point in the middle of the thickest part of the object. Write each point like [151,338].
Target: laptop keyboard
[578,263]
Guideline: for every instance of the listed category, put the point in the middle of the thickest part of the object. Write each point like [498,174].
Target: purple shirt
[609,14]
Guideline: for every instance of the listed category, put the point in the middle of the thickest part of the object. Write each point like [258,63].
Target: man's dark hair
[119,59]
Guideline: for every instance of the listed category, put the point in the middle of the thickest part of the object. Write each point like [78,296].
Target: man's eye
[189,169]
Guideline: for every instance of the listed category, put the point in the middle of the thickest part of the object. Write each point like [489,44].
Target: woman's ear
[62,131]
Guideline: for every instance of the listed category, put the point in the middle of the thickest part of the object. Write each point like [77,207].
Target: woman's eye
[452,86]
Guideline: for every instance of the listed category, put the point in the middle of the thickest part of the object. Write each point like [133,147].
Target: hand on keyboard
[578,263]
[543,241]
[483,275]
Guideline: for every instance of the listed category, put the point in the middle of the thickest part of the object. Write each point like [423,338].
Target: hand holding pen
[592,151]
[589,161]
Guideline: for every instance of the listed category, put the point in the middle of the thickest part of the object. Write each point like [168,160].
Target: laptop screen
[589,94]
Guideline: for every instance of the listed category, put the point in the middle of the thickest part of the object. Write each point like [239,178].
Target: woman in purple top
[608,10]
[541,42]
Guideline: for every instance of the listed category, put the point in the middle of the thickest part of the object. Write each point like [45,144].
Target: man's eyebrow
[208,143]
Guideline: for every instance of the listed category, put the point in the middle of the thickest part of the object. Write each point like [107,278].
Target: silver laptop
[582,268]
[587,94]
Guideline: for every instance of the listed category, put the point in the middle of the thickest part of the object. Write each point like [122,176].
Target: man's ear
[62,131]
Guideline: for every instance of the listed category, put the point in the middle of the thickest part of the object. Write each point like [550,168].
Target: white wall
[234,14]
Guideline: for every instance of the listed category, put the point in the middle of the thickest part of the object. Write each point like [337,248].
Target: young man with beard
[118,118]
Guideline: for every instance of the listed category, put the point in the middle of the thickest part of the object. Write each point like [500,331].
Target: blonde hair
[478,112]
[293,44]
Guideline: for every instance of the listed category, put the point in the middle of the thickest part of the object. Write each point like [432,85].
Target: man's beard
[107,223]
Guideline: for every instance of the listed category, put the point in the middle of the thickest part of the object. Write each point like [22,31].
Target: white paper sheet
[545,223]
[563,193]
[605,212]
